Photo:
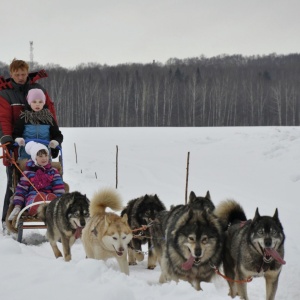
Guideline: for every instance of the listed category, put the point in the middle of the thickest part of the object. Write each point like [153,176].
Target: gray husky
[253,248]
[142,211]
[188,241]
[65,218]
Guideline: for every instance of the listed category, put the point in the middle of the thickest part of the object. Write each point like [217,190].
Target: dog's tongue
[188,264]
[78,232]
[275,255]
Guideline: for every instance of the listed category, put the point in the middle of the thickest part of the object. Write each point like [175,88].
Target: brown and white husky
[106,235]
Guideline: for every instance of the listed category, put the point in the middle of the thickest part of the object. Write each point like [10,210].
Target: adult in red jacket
[13,93]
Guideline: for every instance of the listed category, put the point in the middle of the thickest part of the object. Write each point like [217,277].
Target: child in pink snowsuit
[42,176]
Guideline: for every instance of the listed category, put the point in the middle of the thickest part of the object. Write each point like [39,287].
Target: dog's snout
[82,222]
[198,252]
[268,242]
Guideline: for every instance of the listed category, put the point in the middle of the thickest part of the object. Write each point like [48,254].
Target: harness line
[249,279]
[7,155]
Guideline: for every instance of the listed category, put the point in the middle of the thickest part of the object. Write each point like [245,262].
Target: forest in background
[219,91]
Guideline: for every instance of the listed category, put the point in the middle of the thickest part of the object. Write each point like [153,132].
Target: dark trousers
[9,192]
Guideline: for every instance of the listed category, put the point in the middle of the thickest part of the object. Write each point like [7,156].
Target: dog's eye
[204,240]
[76,214]
[114,238]
[191,238]
[86,214]
[273,231]
[260,231]
[124,237]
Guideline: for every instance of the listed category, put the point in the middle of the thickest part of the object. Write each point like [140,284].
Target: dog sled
[24,220]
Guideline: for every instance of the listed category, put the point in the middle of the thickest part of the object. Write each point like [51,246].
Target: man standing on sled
[13,93]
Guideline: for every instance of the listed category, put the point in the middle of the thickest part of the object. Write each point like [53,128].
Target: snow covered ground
[259,167]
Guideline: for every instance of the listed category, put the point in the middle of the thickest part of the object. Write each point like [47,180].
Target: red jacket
[13,100]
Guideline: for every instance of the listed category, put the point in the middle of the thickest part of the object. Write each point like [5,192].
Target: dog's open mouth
[270,253]
[267,257]
[120,252]
[78,232]
[187,265]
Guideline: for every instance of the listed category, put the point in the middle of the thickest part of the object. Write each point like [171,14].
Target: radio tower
[31,54]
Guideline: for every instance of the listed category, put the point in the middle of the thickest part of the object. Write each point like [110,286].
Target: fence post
[75,152]
[117,153]
[187,176]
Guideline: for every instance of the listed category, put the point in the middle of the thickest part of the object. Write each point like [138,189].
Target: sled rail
[25,208]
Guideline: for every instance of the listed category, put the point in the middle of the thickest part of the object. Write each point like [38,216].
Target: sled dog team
[190,242]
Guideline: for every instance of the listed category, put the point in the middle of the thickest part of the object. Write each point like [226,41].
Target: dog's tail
[41,211]
[105,198]
[229,212]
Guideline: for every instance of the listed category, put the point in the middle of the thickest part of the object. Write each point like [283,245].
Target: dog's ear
[276,215]
[192,197]
[186,217]
[107,222]
[207,196]
[257,215]
[183,219]
[87,199]
[125,218]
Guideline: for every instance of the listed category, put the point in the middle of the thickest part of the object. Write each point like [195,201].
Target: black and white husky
[188,241]
[252,248]
[65,218]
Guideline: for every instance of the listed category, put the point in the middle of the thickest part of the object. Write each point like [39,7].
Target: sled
[24,220]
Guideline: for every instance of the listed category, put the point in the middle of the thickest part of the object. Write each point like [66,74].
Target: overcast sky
[70,32]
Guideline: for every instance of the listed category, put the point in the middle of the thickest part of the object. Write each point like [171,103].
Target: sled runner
[27,218]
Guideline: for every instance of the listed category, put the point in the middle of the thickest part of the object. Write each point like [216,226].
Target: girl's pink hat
[36,94]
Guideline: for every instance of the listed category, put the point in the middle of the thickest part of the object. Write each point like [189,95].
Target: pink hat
[36,94]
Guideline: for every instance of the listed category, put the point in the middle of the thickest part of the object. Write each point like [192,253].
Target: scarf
[37,117]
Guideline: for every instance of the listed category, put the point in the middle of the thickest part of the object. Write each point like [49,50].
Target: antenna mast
[31,54]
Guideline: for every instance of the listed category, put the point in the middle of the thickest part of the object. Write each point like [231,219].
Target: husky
[253,248]
[188,241]
[65,218]
[106,235]
[142,211]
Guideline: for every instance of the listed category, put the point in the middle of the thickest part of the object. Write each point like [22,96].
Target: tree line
[219,91]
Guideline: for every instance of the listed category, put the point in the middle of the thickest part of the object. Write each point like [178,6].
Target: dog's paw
[139,256]
[151,267]
[132,263]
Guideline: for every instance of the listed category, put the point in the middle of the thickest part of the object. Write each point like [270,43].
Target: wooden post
[75,152]
[187,176]
[117,153]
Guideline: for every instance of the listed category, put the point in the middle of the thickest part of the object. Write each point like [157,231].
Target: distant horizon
[201,56]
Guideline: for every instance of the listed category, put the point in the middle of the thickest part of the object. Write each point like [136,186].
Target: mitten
[15,211]
[54,152]
[53,144]
[20,141]
[8,139]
